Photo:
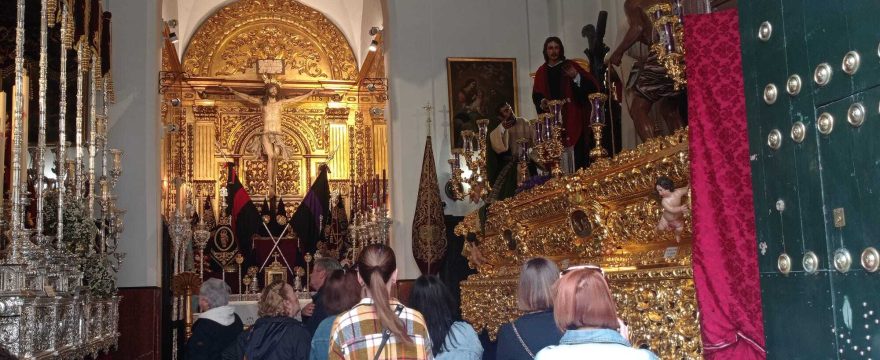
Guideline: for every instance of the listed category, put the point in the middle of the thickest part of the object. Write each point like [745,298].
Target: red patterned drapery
[724,251]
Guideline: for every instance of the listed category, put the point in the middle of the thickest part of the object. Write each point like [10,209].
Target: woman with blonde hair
[379,327]
[276,335]
[522,338]
[585,310]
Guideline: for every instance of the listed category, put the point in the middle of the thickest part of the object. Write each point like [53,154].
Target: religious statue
[507,151]
[650,83]
[672,217]
[562,79]
[271,144]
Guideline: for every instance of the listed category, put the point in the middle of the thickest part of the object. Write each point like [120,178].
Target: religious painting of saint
[477,86]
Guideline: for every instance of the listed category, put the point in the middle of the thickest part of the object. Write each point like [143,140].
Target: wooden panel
[139,324]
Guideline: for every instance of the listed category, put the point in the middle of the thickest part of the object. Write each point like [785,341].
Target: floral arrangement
[532,182]
[80,232]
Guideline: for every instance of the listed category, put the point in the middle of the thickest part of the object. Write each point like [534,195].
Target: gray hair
[215,292]
[536,279]
[327,264]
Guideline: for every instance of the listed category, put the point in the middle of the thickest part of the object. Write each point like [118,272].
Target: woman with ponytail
[379,326]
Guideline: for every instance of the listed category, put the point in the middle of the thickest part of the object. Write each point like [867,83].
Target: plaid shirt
[357,333]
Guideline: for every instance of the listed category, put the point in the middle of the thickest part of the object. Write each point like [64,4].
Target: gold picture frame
[275,271]
[477,86]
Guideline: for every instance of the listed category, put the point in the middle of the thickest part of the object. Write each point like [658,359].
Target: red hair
[583,300]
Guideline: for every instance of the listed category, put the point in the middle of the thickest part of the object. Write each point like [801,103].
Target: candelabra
[474,153]
[548,137]
[522,166]
[201,236]
[669,49]
[369,227]
[597,122]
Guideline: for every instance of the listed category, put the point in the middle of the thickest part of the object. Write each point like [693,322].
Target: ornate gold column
[339,142]
[204,166]
[380,143]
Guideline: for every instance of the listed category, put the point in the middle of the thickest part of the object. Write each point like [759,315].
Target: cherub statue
[673,208]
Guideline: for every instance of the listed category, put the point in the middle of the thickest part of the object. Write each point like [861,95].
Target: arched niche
[228,44]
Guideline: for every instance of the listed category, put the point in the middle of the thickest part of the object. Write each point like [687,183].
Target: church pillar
[338,119]
[135,129]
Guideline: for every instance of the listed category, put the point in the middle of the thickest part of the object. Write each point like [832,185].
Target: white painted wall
[134,128]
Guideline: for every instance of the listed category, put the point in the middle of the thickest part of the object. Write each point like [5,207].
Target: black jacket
[209,339]
[273,338]
[538,330]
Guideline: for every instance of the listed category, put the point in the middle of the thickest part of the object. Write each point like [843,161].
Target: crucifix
[271,142]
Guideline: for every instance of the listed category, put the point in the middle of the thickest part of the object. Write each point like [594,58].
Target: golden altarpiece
[341,125]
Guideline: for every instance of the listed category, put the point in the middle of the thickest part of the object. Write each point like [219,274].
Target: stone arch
[311,45]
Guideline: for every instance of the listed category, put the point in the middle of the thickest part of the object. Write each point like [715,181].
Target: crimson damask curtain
[724,250]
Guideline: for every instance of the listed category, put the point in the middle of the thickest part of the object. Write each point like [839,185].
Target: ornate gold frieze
[231,41]
[606,214]
[256,177]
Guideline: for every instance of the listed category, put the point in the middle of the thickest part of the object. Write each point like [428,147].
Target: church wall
[421,34]
[134,128]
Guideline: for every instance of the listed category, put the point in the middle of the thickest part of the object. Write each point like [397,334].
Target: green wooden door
[812,70]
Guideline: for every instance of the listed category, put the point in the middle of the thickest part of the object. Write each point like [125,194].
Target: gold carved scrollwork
[308,42]
[270,42]
[256,176]
[289,177]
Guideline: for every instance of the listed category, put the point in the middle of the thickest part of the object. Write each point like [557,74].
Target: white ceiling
[353,17]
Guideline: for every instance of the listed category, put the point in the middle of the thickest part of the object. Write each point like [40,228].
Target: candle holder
[669,49]
[597,122]
[474,151]
[308,258]
[549,131]
[201,236]
[522,165]
[239,259]
[116,172]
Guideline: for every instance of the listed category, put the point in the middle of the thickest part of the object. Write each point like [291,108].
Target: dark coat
[318,315]
[273,338]
[538,330]
[209,339]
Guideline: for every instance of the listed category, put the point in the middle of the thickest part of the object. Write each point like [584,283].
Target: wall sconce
[374,45]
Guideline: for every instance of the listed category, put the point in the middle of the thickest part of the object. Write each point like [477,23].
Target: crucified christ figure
[272,140]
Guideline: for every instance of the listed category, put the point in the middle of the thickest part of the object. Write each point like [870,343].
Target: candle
[2,141]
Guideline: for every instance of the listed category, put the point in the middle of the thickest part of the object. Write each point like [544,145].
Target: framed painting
[477,87]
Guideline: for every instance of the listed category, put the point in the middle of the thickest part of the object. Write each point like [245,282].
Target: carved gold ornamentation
[270,42]
[256,176]
[312,47]
[289,177]
[649,272]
